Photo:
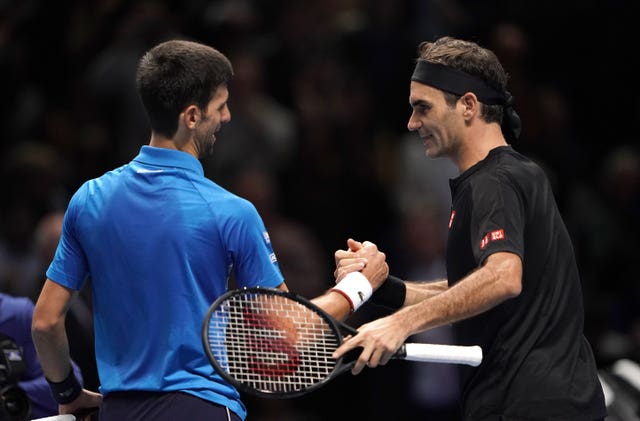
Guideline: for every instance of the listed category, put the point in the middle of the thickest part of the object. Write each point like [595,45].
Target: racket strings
[271,343]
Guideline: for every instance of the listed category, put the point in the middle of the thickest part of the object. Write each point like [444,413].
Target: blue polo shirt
[159,241]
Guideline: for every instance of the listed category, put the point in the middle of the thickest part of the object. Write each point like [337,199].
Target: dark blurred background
[318,142]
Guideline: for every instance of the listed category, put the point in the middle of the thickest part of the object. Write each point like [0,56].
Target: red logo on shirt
[492,236]
[453,215]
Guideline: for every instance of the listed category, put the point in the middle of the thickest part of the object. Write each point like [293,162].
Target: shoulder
[240,206]
[506,165]
[506,172]
[104,179]
[512,161]
[98,185]
[225,202]
[91,185]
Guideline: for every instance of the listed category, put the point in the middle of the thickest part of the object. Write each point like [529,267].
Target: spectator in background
[603,217]
[300,256]
[108,78]
[417,183]
[433,388]
[32,185]
[262,129]
[15,321]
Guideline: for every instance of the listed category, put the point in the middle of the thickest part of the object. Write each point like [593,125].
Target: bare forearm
[48,330]
[52,347]
[480,291]
[420,291]
[334,304]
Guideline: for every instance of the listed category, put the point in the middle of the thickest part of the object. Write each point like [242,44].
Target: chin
[208,151]
[431,153]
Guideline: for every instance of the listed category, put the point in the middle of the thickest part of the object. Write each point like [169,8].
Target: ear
[470,104]
[190,116]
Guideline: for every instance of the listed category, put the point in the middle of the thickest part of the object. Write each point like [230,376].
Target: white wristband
[356,288]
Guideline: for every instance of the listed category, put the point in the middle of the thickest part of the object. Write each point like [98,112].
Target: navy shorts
[153,406]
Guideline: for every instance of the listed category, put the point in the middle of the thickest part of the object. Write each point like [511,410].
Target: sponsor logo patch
[492,236]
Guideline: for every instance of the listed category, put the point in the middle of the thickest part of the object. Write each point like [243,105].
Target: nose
[226,115]
[413,124]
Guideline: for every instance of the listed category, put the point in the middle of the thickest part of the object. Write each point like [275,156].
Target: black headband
[459,83]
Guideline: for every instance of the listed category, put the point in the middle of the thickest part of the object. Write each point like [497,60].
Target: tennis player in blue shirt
[159,242]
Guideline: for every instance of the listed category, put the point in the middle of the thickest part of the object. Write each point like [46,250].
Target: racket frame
[335,326]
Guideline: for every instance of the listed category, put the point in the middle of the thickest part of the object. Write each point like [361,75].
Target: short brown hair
[175,74]
[469,57]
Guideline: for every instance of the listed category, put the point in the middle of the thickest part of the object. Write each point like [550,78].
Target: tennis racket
[276,344]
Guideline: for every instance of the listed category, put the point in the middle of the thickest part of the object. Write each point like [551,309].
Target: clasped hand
[364,257]
[381,338]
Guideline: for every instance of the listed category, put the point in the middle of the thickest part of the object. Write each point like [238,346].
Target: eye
[422,108]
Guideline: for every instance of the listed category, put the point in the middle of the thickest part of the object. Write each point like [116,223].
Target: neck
[176,143]
[479,142]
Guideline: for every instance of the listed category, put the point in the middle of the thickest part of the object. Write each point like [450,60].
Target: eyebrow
[417,102]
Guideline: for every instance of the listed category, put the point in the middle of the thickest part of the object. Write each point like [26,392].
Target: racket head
[272,343]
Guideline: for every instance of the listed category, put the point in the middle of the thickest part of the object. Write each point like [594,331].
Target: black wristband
[391,293]
[67,390]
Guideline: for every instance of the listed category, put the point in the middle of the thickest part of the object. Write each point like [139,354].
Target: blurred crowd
[318,142]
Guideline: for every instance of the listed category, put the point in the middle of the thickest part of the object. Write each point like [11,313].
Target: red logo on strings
[261,345]
[453,215]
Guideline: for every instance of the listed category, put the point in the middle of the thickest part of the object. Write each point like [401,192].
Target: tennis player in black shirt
[513,285]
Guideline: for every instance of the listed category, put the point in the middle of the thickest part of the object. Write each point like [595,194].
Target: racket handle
[452,354]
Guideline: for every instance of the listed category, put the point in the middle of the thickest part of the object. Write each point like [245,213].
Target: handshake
[362,273]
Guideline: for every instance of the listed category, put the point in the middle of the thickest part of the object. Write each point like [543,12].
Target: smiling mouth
[214,135]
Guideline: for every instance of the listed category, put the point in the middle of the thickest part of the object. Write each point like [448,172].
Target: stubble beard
[205,144]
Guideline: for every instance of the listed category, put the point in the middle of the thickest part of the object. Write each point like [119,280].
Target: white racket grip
[453,354]
[628,370]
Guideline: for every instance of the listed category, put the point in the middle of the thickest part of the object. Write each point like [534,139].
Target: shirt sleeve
[69,266]
[254,261]
[498,219]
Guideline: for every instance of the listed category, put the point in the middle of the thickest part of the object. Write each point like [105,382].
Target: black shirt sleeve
[498,220]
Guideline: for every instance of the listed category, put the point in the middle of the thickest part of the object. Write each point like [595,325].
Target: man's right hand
[364,257]
[83,406]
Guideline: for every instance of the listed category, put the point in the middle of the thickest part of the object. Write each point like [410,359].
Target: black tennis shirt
[537,364]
